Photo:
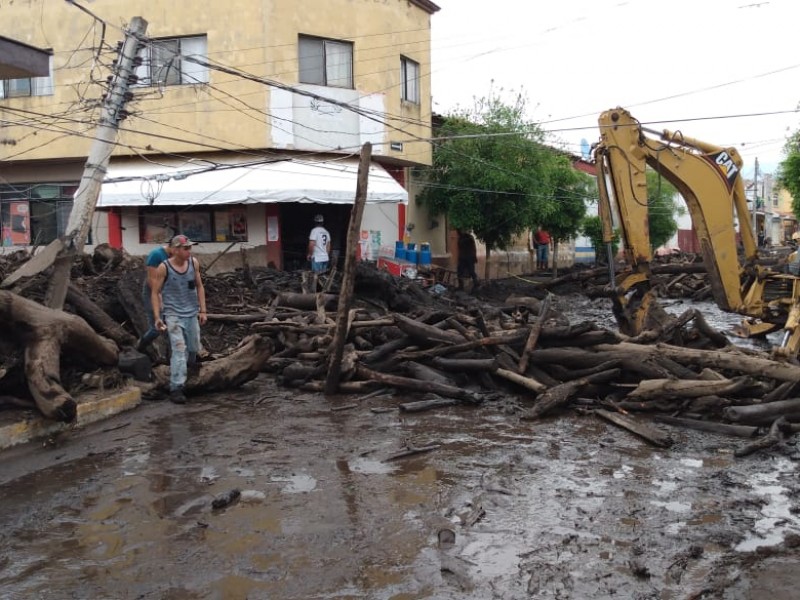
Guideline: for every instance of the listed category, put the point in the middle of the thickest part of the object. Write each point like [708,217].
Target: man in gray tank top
[184,310]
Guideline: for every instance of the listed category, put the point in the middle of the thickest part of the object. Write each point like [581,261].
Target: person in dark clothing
[467,258]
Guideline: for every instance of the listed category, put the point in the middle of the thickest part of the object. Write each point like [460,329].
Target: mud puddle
[563,508]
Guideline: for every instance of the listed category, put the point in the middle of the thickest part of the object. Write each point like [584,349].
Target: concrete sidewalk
[20,426]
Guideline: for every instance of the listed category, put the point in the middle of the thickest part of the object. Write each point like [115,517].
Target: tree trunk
[762,414]
[100,321]
[44,333]
[239,367]
[721,359]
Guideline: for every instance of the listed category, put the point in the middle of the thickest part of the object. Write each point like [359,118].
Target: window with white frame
[28,86]
[325,62]
[409,76]
[164,61]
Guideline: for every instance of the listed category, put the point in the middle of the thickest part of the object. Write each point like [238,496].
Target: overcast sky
[699,66]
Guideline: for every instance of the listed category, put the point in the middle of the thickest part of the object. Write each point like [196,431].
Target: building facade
[245,120]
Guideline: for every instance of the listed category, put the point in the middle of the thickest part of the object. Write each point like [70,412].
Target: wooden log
[651,434]
[231,371]
[541,376]
[386,349]
[710,426]
[590,338]
[462,347]
[675,368]
[100,321]
[45,333]
[423,405]
[426,373]
[575,357]
[778,431]
[667,389]
[304,301]
[533,336]
[762,414]
[728,358]
[345,387]
[562,332]
[419,386]
[298,371]
[782,391]
[526,382]
[465,364]
[565,374]
[560,395]
[426,333]
[223,318]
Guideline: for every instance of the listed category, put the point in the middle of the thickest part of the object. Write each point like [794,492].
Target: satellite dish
[585,150]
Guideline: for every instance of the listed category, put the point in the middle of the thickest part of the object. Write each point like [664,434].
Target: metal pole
[755,201]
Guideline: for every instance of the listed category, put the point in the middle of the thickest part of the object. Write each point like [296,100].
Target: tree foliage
[496,178]
[789,172]
[571,192]
[592,228]
[662,209]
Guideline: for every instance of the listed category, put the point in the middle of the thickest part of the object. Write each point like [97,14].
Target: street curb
[91,407]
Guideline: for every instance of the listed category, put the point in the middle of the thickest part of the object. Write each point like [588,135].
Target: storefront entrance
[297,221]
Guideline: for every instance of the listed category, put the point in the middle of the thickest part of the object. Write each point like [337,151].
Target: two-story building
[246,119]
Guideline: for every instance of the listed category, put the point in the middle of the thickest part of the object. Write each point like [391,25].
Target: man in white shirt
[319,246]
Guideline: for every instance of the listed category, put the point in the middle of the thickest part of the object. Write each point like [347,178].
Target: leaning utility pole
[80,218]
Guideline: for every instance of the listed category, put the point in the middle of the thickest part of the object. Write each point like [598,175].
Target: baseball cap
[319,219]
[180,241]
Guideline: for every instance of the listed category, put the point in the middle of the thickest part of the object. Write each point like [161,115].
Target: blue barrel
[424,255]
[412,255]
[399,250]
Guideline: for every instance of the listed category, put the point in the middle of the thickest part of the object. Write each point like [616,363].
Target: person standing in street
[541,242]
[154,259]
[467,259]
[319,246]
[182,301]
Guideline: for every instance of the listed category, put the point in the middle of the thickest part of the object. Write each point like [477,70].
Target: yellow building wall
[256,36]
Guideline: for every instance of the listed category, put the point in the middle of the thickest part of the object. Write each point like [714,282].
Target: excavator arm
[709,179]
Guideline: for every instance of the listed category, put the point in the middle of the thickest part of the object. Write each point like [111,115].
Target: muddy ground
[568,507]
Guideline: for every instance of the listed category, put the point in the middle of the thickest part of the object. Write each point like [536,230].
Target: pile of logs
[522,349]
[448,349]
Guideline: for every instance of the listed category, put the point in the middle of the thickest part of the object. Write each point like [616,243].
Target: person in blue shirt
[151,263]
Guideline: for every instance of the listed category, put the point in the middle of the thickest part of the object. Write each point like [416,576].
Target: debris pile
[509,342]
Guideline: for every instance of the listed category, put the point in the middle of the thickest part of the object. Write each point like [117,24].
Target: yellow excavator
[709,179]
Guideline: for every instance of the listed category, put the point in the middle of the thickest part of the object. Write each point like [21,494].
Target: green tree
[592,228]
[662,209]
[495,176]
[571,192]
[789,171]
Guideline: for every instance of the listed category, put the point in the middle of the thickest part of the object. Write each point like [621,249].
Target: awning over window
[291,180]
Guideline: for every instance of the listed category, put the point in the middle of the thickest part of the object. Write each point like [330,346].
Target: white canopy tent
[292,180]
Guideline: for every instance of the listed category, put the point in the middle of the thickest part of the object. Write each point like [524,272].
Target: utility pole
[755,201]
[80,218]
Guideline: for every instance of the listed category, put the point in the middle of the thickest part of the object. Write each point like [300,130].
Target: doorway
[297,221]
